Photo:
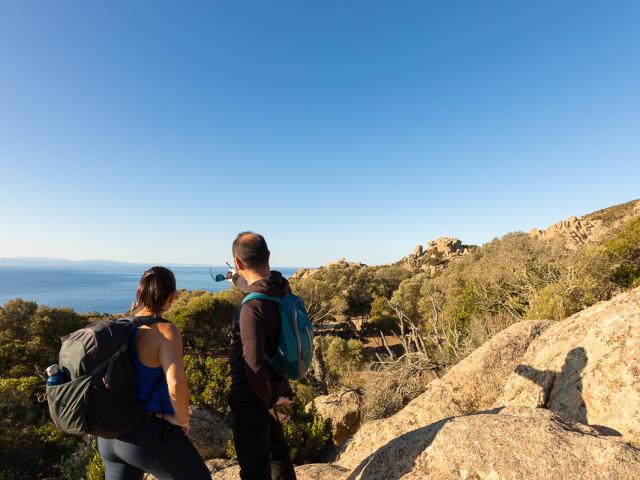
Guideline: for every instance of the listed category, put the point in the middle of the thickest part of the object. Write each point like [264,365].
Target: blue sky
[154,131]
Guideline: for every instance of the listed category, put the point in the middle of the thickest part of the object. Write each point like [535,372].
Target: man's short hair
[251,248]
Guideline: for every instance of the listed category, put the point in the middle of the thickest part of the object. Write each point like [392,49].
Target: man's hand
[286,404]
[230,274]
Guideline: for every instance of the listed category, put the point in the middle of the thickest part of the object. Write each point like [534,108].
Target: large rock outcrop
[341,263]
[583,370]
[209,433]
[473,384]
[436,256]
[587,368]
[575,232]
[516,443]
[313,471]
[343,408]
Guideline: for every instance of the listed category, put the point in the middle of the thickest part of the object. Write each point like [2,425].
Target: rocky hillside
[573,232]
[436,256]
[593,227]
[540,400]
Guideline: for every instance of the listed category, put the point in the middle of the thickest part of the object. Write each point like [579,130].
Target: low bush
[382,318]
[75,465]
[343,361]
[31,446]
[204,322]
[307,435]
[625,249]
[209,382]
[303,390]
[95,468]
[30,336]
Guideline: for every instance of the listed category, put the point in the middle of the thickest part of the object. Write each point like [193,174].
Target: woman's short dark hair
[156,286]
[251,248]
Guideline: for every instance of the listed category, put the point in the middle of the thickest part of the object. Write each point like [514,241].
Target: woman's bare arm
[170,353]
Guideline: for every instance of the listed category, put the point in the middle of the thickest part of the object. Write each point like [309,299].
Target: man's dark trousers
[262,451]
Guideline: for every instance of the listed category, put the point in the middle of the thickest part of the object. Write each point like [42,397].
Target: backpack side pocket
[69,405]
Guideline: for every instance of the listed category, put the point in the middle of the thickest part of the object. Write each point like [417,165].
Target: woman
[159,444]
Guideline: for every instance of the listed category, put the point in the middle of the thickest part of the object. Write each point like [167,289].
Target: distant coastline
[49,261]
[93,285]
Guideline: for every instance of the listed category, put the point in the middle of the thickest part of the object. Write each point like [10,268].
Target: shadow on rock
[569,378]
[398,457]
[562,391]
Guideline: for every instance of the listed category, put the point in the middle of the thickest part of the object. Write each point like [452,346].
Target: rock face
[473,384]
[320,471]
[209,433]
[575,232]
[587,368]
[343,409]
[436,256]
[218,464]
[300,274]
[310,272]
[314,471]
[516,443]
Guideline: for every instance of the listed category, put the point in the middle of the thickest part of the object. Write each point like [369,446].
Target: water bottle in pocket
[56,375]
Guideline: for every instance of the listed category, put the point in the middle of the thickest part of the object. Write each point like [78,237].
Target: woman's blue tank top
[145,378]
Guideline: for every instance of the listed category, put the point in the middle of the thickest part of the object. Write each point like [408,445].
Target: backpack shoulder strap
[139,321]
[259,296]
[249,297]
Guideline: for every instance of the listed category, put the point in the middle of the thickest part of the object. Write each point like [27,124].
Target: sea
[96,287]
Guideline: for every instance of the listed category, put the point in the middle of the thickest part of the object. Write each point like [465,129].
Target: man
[256,389]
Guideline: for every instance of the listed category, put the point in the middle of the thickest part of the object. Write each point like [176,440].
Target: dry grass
[388,389]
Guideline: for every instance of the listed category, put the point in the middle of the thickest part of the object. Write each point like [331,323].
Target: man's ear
[239,264]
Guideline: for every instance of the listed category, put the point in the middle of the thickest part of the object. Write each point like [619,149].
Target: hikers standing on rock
[256,388]
[158,444]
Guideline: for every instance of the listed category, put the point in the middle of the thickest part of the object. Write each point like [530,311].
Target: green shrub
[307,435]
[382,318]
[75,465]
[303,390]
[209,382]
[16,359]
[204,322]
[95,468]
[30,336]
[18,403]
[627,276]
[32,451]
[31,446]
[343,360]
[625,248]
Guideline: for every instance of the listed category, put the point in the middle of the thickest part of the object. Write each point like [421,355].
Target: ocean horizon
[95,286]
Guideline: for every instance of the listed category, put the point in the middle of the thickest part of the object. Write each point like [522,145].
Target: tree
[30,336]
[204,321]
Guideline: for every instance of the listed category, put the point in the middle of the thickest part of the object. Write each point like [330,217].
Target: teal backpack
[295,345]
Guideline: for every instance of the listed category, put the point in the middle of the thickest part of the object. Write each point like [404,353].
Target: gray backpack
[100,397]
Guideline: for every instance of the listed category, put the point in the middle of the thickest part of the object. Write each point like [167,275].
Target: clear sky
[154,131]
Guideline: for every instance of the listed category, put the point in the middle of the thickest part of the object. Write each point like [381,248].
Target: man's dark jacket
[255,335]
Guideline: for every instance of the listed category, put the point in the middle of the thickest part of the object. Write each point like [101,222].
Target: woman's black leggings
[154,446]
